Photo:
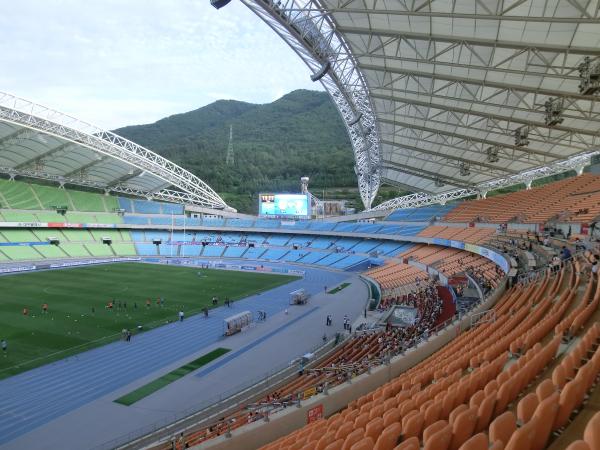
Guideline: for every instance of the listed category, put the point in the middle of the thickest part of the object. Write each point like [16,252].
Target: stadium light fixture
[554,111]
[492,154]
[589,73]
[218,4]
[521,135]
[355,120]
[465,169]
[321,72]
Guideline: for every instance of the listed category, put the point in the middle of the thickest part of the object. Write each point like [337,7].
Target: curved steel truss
[96,158]
[459,91]
[312,35]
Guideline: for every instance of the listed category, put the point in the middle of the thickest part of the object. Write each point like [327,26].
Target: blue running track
[36,397]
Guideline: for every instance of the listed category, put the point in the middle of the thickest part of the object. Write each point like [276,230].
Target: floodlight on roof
[589,73]
[521,135]
[492,154]
[465,169]
[218,4]
[321,72]
[554,111]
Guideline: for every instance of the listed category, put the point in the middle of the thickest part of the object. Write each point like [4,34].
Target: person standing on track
[181,315]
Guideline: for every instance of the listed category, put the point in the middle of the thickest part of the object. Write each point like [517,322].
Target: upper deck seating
[422,214]
[574,199]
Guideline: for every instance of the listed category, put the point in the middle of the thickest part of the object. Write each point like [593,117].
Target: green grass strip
[159,383]
[339,288]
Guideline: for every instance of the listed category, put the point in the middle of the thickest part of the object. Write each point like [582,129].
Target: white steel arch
[73,134]
[312,35]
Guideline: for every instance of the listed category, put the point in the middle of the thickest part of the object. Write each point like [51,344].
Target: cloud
[117,63]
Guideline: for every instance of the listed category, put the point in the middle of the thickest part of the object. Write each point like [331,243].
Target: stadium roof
[38,142]
[432,92]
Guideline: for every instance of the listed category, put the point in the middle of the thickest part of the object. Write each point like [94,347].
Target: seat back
[591,435]
[353,438]
[485,411]
[522,438]
[389,437]
[409,444]
[440,440]
[502,427]
[546,413]
[477,442]
[566,404]
[526,407]
[433,428]
[413,426]
[545,389]
[463,427]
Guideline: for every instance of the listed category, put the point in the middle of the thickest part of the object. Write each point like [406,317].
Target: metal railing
[189,418]
[533,276]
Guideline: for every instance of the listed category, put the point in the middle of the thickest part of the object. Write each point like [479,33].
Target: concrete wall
[284,422]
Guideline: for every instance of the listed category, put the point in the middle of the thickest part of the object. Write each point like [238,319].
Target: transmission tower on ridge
[229,158]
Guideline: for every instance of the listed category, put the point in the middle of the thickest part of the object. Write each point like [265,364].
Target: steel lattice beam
[310,33]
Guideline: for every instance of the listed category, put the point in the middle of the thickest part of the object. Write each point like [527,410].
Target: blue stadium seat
[367,228]
[146,207]
[278,239]
[323,242]
[125,203]
[234,252]
[168,250]
[318,225]
[161,221]
[239,223]
[347,243]
[213,222]
[346,226]
[266,223]
[348,261]
[145,249]
[135,220]
[213,250]
[254,252]
[331,258]
[312,257]
[172,208]
[365,246]
[190,250]
[293,255]
[274,254]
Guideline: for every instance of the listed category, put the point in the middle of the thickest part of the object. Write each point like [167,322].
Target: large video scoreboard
[284,206]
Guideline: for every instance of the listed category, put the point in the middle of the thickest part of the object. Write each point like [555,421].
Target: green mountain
[300,134]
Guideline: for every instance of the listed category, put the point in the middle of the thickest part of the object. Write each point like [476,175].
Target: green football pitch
[78,318]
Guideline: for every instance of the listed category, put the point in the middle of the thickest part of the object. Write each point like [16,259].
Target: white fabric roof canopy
[39,142]
[449,79]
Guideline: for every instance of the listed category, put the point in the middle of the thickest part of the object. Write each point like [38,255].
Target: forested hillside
[301,134]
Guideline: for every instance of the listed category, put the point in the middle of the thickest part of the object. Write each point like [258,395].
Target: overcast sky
[125,62]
